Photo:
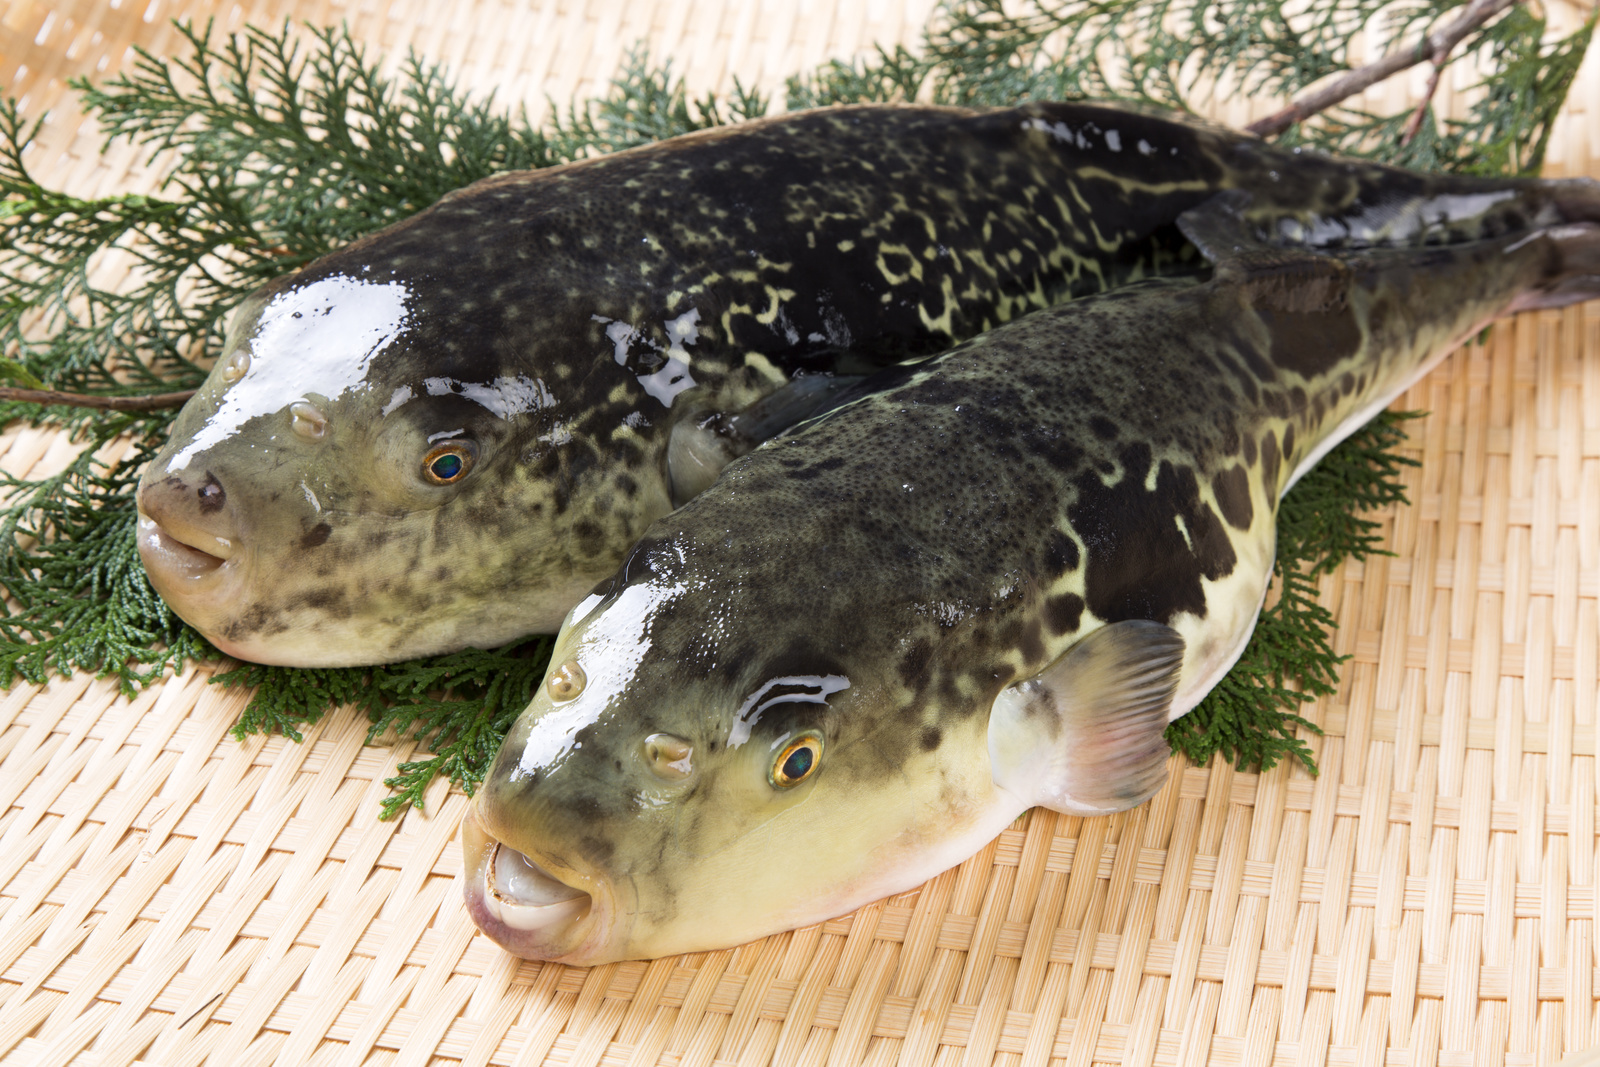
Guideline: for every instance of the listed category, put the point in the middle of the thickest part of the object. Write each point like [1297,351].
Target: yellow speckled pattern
[170,896]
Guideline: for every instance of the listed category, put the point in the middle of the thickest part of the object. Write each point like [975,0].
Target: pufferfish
[445,433]
[989,584]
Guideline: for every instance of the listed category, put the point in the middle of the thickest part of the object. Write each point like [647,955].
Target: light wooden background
[169,896]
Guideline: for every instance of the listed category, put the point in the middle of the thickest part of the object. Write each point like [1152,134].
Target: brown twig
[152,402]
[1415,122]
[1436,44]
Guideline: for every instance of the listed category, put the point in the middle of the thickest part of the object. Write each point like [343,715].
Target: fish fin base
[1217,227]
[1288,278]
[1086,736]
[805,397]
[701,445]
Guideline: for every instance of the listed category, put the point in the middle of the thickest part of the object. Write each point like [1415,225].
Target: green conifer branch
[428,701]
[458,705]
[645,103]
[82,599]
[1173,53]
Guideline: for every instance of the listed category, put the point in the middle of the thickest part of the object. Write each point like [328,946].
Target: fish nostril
[211,495]
[307,421]
[237,366]
[566,681]
[668,756]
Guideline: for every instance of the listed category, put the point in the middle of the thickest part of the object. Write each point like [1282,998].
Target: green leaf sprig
[1175,54]
[458,705]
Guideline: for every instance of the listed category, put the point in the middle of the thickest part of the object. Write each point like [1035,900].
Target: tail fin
[1358,206]
[1221,228]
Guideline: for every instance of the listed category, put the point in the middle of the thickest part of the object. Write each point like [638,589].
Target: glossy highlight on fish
[989,583]
[445,433]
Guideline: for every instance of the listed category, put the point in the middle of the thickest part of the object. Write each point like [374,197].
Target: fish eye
[796,761]
[448,462]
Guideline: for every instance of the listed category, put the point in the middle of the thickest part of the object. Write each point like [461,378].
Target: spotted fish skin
[904,577]
[566,326]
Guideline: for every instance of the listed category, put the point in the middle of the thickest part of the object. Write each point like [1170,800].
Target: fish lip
[572,931]
[169,559]
[201,588]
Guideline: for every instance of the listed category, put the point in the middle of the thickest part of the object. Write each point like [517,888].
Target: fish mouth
[200,584]
[523,907]
[169,555]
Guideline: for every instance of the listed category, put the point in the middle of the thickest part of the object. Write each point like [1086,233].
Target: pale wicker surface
[170,896]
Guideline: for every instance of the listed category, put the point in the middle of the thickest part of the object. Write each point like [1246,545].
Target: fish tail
[1352,330]
[1333,204]
[1576,199]
[1421,304]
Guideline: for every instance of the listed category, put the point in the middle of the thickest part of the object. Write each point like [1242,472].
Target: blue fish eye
[796,761]
[448,463]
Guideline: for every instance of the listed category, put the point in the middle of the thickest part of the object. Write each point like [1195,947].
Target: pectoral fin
[696,453]
[701,445]
[1085,736]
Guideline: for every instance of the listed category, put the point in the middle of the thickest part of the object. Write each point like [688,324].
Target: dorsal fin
[1276,277]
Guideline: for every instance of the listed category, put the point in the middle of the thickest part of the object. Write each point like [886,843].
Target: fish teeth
[526,887]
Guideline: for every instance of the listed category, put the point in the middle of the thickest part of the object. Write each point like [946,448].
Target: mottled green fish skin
[561,324]
[880,577]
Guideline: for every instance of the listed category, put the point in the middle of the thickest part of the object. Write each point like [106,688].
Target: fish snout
[525,908]
[188,531]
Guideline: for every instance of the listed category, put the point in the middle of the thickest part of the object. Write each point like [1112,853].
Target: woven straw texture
[171,896]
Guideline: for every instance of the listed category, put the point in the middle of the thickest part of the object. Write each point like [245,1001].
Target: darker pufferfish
[445,433]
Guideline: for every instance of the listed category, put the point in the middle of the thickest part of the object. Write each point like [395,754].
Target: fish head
[667,793]
[337,490]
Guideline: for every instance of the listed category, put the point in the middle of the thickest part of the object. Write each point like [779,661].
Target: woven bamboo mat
[171,896]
